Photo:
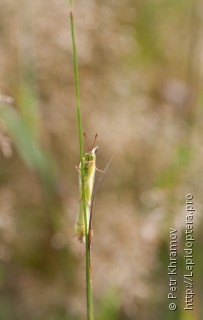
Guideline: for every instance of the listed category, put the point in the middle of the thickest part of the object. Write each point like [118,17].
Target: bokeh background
[141,69]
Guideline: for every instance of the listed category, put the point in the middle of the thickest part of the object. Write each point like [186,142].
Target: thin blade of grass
[80,133]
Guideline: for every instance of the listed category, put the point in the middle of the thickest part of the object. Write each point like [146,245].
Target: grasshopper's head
[90,156]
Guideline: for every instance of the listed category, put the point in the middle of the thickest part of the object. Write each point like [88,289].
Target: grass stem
[80,132]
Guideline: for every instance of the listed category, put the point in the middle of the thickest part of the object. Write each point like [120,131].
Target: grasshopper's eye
[87,156]
[91,157]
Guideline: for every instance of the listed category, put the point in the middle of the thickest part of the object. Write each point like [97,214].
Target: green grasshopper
[89,175]
[89,171]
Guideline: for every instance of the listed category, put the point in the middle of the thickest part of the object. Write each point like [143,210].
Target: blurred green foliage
[140,78]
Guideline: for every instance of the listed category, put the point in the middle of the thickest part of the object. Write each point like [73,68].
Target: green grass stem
[80,132]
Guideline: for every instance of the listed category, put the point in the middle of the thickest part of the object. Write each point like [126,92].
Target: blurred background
[140,69]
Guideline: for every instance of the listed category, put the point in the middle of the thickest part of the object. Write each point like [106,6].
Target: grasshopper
[89,160]
[90,169]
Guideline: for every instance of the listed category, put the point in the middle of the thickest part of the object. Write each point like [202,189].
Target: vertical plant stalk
[80,133]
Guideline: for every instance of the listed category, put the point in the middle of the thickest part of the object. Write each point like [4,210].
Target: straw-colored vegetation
[140,68]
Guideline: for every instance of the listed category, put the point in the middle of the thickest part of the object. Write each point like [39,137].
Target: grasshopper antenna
[95,138]
[94,149]
[93,145]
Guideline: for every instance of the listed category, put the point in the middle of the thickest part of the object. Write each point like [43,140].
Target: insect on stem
[89,163]
[83,205]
